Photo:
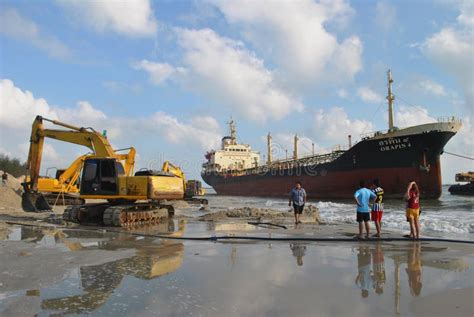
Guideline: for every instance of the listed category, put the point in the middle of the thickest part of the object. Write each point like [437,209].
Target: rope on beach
[459,155]
[249,238]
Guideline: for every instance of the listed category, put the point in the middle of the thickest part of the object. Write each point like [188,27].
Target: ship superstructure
[395,156]
[232,155]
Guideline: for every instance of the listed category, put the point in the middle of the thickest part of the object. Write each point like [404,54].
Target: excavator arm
[88,137]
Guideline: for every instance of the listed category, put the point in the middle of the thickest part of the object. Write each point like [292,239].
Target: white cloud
[342,93]
[159,72]
[294,34]
[433,87]
[19,108]
[385,15]
[130,18]
[411,116]
[18,27]
[466,17]
[334,125]
[452,48]
[225,71]
[201,129]
[368,95]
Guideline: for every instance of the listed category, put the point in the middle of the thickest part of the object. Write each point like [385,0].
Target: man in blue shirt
[362,197]
[298,198]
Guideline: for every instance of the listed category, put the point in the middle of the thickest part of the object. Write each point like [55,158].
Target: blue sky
[165,76]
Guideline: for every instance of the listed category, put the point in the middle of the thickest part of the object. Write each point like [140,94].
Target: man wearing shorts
[362,197]
[298,199]
[377,207]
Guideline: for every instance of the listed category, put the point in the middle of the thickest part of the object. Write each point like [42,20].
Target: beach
[49,267]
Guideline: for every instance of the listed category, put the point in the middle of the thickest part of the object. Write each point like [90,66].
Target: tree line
[12,166]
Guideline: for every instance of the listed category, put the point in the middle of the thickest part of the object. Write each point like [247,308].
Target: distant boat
[395,157]
[463,189]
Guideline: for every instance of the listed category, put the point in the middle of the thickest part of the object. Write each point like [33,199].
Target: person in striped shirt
[377,207]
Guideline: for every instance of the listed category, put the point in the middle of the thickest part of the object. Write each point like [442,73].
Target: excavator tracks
[118,215]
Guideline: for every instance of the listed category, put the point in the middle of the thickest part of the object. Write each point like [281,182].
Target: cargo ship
[394,156]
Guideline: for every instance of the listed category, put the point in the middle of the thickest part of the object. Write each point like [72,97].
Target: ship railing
[304,162]
[369,135]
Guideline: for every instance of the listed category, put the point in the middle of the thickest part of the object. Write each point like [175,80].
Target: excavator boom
[32,200]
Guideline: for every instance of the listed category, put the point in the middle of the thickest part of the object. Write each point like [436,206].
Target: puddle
[97,274]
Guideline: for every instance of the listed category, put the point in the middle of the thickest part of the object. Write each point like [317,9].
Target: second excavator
[106,176]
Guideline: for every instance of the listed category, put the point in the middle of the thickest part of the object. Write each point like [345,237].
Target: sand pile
[9,198]
[310,214]
[10,193]
[13,182]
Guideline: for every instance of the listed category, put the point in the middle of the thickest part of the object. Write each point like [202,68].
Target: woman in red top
[412,197]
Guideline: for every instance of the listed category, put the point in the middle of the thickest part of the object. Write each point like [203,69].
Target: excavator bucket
[34,202]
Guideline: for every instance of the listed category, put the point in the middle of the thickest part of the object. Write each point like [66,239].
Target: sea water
[449,216]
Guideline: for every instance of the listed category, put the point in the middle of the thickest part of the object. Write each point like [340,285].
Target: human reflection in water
[414,269]
[378,268]
[363,266]
[299,250]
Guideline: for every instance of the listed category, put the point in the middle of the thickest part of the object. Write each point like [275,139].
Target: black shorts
[363,216]
[298,209]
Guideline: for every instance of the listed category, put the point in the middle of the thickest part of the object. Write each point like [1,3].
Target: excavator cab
[100,176]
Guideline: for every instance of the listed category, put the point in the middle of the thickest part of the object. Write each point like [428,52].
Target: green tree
[12,166]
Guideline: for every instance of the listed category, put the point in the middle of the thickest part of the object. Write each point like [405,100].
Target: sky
[166,76]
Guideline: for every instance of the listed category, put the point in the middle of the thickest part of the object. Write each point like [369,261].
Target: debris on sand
[310,214]
[179,204]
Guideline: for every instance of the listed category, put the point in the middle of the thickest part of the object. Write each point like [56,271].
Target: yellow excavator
[63,189]
[193,191]
[106,176]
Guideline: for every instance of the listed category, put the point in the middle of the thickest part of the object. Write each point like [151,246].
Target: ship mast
[269,149]
[390,99]
[295,148]
[233,132]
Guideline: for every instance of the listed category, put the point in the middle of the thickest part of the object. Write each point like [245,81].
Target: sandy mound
[9,198]
[13,182]
[310,213]
[10,193]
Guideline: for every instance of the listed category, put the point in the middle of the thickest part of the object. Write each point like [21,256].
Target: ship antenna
[390,99]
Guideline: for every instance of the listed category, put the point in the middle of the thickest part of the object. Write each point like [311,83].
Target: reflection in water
[378,268]
[154,258]
[414,269]
[299,250]
[98,282]
[363,266]
[206,286]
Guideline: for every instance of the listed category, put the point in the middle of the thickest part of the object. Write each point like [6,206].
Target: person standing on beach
[377,207]
[4,178]
[412,196]
[362,197]
[298,199]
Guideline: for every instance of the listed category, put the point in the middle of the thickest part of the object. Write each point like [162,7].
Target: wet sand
[72,271]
